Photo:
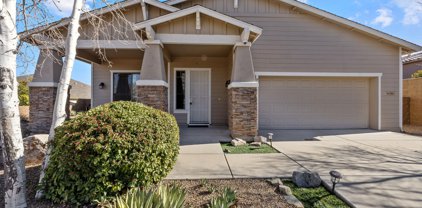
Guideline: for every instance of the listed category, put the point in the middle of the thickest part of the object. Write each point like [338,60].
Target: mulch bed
[250,192]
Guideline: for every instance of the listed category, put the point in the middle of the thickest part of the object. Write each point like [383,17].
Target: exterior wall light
[335,178]
[270,137]
[101,85]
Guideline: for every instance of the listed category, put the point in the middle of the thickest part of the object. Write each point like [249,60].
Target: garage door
[313,103]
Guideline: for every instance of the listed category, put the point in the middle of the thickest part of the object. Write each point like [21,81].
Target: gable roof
[406,45]
[413,57]
[203,10]
[119,5]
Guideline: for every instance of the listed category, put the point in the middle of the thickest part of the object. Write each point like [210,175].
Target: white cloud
[412,11]
[304,1]
[385,17]
[62,8]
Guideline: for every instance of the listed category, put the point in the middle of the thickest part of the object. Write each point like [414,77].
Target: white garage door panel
[313,103]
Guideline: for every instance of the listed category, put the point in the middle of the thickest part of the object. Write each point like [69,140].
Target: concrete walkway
[381,169]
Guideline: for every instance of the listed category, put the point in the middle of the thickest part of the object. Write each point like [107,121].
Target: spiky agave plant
[227,199]
[169,196]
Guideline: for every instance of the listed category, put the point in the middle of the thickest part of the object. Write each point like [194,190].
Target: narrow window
[180,90]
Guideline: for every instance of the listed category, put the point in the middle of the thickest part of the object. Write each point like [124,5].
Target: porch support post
[242,95]
[42,90]
[153,87]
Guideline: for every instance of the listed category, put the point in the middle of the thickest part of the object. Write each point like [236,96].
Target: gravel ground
[32,176]
[249,192]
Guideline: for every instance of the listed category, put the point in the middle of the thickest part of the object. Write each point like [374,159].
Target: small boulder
[35,148]
[285,190]
[290,199]
[306,179]
[238,142]
[275,181]
[256,144]
[261,139]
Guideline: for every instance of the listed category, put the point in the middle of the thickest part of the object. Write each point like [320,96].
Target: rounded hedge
[109,149]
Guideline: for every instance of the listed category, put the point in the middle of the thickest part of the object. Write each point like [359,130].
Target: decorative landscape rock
[275,181]
[238,142]
[285,190]
[260,139]
[256,144]
[306,179]
[35,148]
[293,201]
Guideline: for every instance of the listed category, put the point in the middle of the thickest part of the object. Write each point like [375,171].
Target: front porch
[203,135]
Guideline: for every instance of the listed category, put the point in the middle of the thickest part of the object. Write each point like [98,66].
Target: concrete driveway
[381,169]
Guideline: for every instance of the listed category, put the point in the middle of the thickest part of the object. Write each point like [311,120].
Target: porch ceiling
[198,50]
[92,55]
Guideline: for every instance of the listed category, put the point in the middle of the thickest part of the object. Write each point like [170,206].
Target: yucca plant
[171,196]
[227,199]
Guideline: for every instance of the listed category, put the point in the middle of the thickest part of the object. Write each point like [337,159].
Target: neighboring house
[78,91]
[79,100]
[412,63]
[250,65]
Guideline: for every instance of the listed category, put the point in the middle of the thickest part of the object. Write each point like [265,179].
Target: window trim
[175,110]
[122,72]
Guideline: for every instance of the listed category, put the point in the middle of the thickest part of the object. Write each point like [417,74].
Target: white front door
[199,102]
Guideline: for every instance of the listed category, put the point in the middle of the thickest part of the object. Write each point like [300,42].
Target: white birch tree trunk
[10,128]
[59,113]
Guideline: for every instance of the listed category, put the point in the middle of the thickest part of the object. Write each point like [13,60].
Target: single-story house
[247,64]
[412,63]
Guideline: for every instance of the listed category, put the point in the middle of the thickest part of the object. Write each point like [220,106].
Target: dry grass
[24,112]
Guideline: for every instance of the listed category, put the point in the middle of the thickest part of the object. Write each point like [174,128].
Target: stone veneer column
[42,91]
[242,95]
[154,96]
[243,112]
[152,89]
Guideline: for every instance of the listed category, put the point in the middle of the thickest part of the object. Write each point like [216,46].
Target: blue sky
[401,18]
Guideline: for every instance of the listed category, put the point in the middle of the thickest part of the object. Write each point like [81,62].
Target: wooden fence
[412,101]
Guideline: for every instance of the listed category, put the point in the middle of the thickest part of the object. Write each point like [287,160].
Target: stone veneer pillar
[43,89]
[152,89]
[242,112]
[153,96]
[242,95]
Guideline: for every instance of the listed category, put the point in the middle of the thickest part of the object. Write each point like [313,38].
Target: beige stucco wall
[102,73]
[219,76]
[295,42]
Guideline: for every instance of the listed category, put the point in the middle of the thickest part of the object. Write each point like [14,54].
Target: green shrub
[417,74]
[23,93]
[171,196]
[109,149]
[226,200]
